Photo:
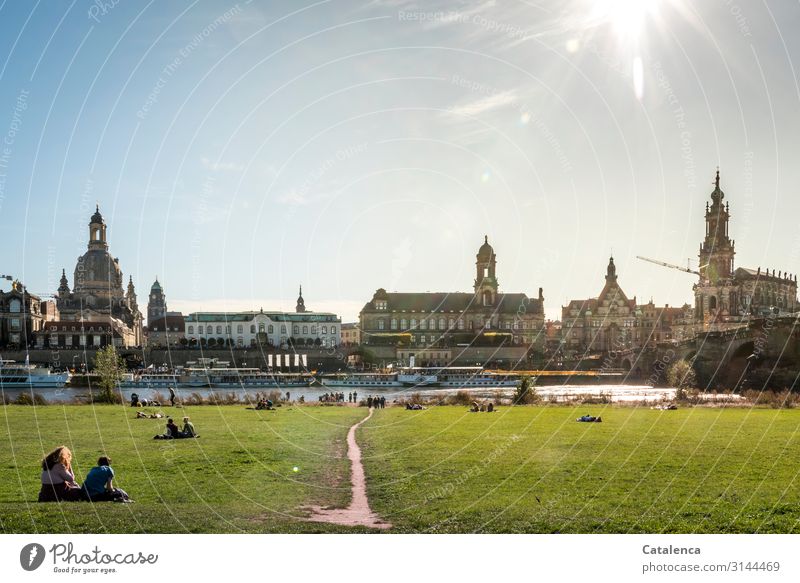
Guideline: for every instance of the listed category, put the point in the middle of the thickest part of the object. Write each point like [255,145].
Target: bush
[30,399]
[680,375]
[525,393]
[776,399]
[460,398]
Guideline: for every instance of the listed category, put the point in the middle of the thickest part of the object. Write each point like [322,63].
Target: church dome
[97,269]
[156,286]
[486,251]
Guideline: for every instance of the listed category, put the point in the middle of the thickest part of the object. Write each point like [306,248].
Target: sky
[238,150]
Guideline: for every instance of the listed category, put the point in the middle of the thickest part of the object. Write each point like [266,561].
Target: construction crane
[686,269]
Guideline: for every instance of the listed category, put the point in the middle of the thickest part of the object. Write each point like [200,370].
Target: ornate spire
[63,288]
[301,304]
[611,270]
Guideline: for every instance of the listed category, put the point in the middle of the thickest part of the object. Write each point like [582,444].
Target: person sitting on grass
[58,481]
[474,408]
[172,431]
[490,408]
[188,428]
[99,485]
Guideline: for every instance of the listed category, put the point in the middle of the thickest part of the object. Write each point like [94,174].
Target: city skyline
[350,146]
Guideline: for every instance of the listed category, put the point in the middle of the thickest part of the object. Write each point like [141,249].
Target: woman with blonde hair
[58,481]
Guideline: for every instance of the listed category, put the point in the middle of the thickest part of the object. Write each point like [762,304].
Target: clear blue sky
[238,150]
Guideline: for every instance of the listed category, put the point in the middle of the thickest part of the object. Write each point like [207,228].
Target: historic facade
[612,322]
[98,295]
[726,294]
[301,328]
[20,316]
[425,323]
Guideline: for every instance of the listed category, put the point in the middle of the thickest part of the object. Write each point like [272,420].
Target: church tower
[156,303]
[485,277]
[715,293]
[97,231]
[301,303]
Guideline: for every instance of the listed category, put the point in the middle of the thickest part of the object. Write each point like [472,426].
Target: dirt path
[358,513]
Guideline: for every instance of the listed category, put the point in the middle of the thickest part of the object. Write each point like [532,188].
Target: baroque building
[425,324]
[612,322]
[724,293]
[98,297]
[21,316]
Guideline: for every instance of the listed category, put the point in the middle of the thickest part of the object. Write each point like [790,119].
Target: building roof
[748,273]
[249,316]
[454,302]
[168,322]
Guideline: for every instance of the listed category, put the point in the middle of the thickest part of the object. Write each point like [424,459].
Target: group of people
[174,432]
[334,398]
[265,405]
[480,407]
[58,480]
[136,401]
[377,402]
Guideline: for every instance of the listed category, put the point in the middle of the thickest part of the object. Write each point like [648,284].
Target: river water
[613,393]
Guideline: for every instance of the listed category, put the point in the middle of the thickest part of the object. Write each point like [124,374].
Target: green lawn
[537,470]
[527,469]
[237,477]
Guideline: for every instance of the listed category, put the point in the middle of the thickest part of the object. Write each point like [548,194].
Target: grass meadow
[522,469]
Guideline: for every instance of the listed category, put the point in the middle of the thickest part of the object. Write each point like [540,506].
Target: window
[209,329]
[305,329]
[333,329]
[460,323]
[219,329]
[252,328]
[403,324]
[261,328]
[422,339]
[380,305]
[14,306]
[240,340]
[423,325]
[394,324]
[441,323]
[271,329]
[295,329]
[313,329]
[413,323]
[15,323]
[451,324]
[381,324]
[240,329]
[283,328]
[227,330]
[324,329]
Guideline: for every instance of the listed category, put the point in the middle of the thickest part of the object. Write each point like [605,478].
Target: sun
[626,17]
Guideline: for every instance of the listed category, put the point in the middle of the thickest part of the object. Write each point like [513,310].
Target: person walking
[369,402]
[355,397]
[172,396]
[383,402]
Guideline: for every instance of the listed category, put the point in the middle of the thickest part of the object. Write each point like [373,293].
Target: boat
[223,377]
[363,379]
[475,376]
[14,376]
[150,380]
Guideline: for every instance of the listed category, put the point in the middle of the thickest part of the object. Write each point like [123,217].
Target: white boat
[150,380]
[14,376]
[366,379]
[418,377]
[475,376]
[223,377]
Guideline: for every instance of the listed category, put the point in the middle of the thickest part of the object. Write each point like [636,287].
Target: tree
[109,367]
[525,393]
[680,375]
[183,341]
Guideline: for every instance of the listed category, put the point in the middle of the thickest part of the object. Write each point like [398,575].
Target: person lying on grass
[589,419]
[99,485]
[58,481]
[143,415]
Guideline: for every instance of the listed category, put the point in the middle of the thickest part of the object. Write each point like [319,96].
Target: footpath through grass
[524,469]
[534,469]
[237,477]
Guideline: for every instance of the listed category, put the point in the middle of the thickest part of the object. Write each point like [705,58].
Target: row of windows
[261,329]
[444,324]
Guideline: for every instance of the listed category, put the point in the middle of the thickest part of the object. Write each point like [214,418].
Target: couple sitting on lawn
[58,481]
[174,433]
